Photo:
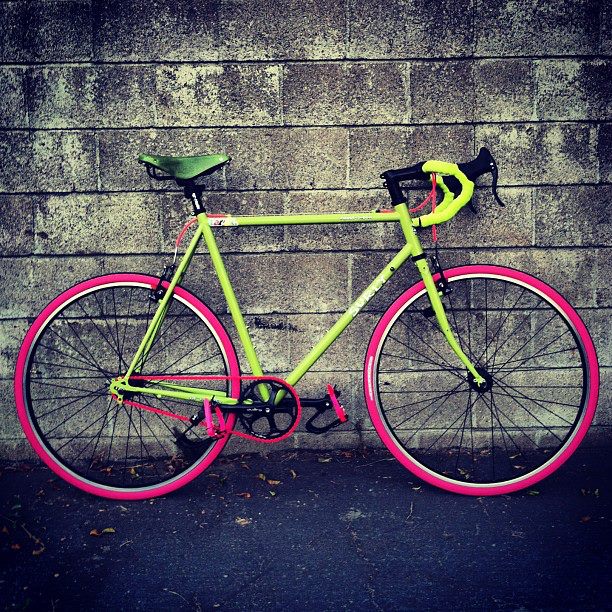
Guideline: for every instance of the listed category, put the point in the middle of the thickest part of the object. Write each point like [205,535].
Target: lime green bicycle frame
[206,222]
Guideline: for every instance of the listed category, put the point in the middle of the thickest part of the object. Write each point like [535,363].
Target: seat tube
[420,260]
[230,296]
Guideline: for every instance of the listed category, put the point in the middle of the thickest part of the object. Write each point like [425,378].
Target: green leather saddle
[182,168]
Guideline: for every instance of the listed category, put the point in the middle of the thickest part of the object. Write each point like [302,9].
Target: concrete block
[441,92]
[492,225]
[603,293]
[48,161]
[270,336]
[337,237]
[299,158]
[13,22]
[504,90]
[403,28]
[63,161]
[525,27]
[12,334]
[289,29]
[542,154]
[119,150]
[59,31]
[572,272]
[166,31]
[13,112]
[376,149]
[99,96]
[218,95]
[16,234]
[597,321]
[10,428]
[346,93]
[16,146]
[119,223]
[604,152]
[347,353]
[175,211]
[574,89]
[573,216]
[36,281]
[308,283]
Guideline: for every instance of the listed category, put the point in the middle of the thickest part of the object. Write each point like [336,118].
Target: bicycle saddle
[182,168]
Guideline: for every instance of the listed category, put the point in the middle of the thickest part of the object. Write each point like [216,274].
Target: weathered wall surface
[312,100]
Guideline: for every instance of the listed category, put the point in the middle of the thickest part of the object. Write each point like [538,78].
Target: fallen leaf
[261,476]
[293,473]
[585,519]
[5,529]
[15,546]
[38,551]
[243,521]
[273,482]
[246,495]
[272,493]
[324,459]
[533,492]
[416,488]
[97,533]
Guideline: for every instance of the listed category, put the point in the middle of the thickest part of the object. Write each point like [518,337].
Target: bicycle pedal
[214,430]
[321,407]
[338,407]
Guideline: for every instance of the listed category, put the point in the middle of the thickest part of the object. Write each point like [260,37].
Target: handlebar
[458,186]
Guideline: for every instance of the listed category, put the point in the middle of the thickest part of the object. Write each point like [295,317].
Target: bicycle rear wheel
[539,400]
[77,345]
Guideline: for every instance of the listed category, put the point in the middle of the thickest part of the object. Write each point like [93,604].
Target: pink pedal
[340,412]
[212,429]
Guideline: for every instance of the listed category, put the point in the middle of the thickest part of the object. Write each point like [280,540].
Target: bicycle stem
[420,261]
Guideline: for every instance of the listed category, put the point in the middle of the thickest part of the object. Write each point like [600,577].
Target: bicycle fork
[420,260]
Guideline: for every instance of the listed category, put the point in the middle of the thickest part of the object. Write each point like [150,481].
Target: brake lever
[494,182]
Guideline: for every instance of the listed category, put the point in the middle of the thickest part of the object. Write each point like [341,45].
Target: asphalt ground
[348,530]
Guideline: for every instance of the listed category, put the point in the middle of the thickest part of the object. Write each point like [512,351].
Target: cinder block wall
[312,100]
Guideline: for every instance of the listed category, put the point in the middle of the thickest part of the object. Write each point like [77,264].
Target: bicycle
[128,386]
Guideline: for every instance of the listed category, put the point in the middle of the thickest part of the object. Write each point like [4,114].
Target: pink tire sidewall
[497,489]
[47,457]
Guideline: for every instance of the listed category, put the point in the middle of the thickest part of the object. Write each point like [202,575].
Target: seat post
[194,193]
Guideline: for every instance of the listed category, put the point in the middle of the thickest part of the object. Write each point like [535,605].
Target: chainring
[270,417]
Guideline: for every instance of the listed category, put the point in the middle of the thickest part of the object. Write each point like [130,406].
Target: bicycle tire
[537,409]
[81,340]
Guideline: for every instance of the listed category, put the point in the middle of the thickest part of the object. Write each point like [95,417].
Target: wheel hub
[483,387]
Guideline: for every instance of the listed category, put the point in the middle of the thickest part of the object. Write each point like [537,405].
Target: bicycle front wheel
[541,372]
[77,345]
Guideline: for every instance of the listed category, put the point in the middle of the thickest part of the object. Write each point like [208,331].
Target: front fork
[420,260]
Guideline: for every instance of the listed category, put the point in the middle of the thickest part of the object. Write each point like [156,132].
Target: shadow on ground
[308,531]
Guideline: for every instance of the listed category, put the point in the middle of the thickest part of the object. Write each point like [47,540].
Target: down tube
[349,315]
